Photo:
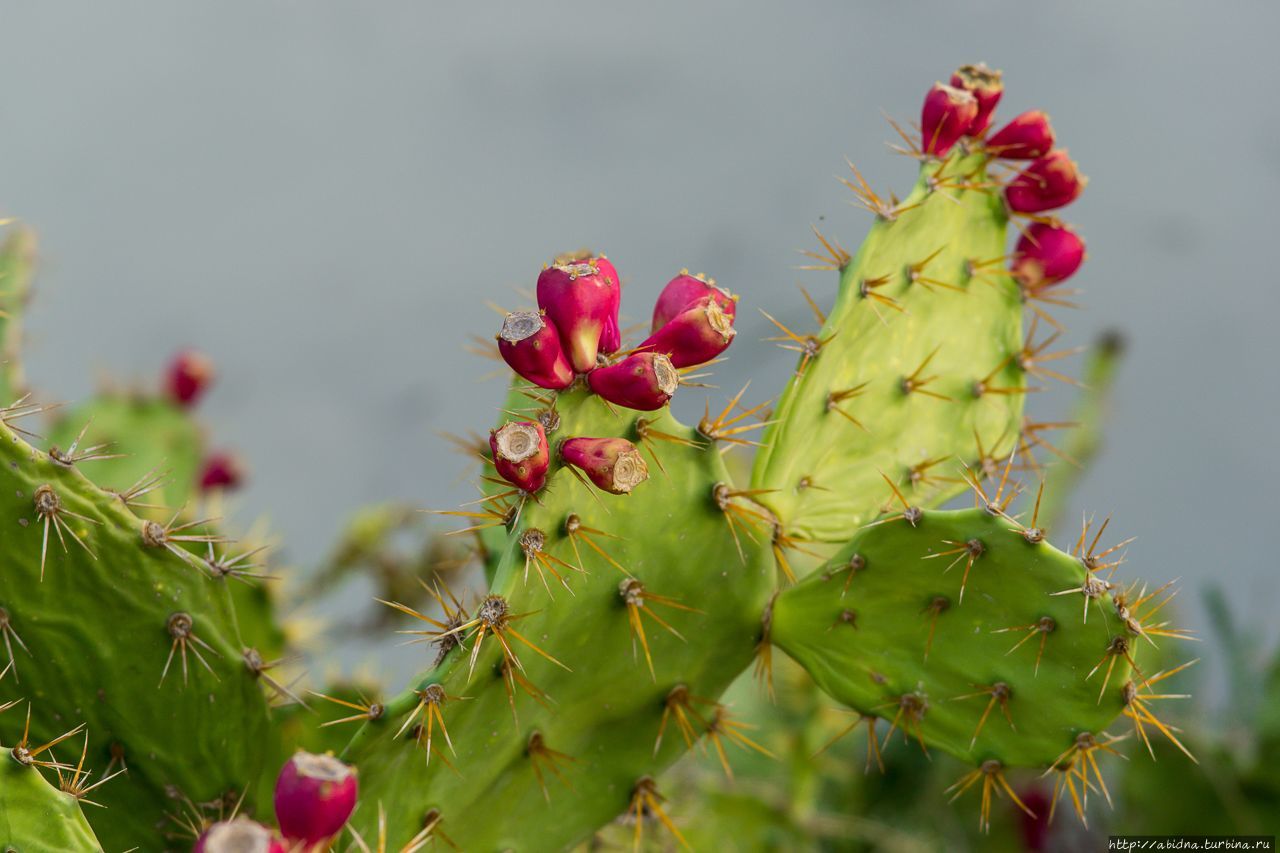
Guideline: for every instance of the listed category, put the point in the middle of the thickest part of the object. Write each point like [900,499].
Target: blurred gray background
[322,196]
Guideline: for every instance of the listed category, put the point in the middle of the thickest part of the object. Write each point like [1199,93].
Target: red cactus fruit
[581,297]
[530,344]
[1027,137]
[613,464]
[1050,182]
[644,381]
[188,376]
[221,470]
[239,835]
[315,794]
[1045,255]
[611,337]
[682,291]
[987,87]
[947,115]
[696,335]
[520,454]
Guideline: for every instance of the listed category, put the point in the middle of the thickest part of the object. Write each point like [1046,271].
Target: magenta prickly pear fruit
[1045,255]
[947,115]
[1050,182]
[521,455]
[581,298]
[644,381]
[221,471]
[611,337]
[683,290]
[696,335]
[530,344]
[239,835]
[986,86]
[189,375]
[1027,137]
[315,794]
[613,464]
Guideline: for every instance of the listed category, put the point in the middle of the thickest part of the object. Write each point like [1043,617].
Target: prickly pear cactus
[629,580]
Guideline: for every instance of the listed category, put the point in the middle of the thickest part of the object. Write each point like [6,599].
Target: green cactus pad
[35,815]
[96,634]
[847,416]
[606,712]
[891,578]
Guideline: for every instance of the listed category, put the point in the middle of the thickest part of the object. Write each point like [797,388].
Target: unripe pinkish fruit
[315,794]
[987,87]
[530,344]
[520,454]
[1050,182]
[643,380]
[613,464]
[239,835]
[581,298]
[1045,255]
[1027,137]
[188,376]
[221,470]
[947,114]
[696,335]
[682,291]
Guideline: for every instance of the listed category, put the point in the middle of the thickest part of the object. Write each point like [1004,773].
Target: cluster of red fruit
[571,339]
[314,797]
[1048,251]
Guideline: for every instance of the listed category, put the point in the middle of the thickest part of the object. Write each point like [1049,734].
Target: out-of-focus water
[323,195]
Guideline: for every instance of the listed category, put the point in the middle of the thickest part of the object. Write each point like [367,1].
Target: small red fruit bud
[189,375]
[222,471]
[315,794]
[986,85]
[682,291]
[613,464]
[696,335]
[520,454]
[1027,137]
[239,835]
[1050,182]
[581,298]
[947,114]
[1045,255]
[644,381]
[530,344]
